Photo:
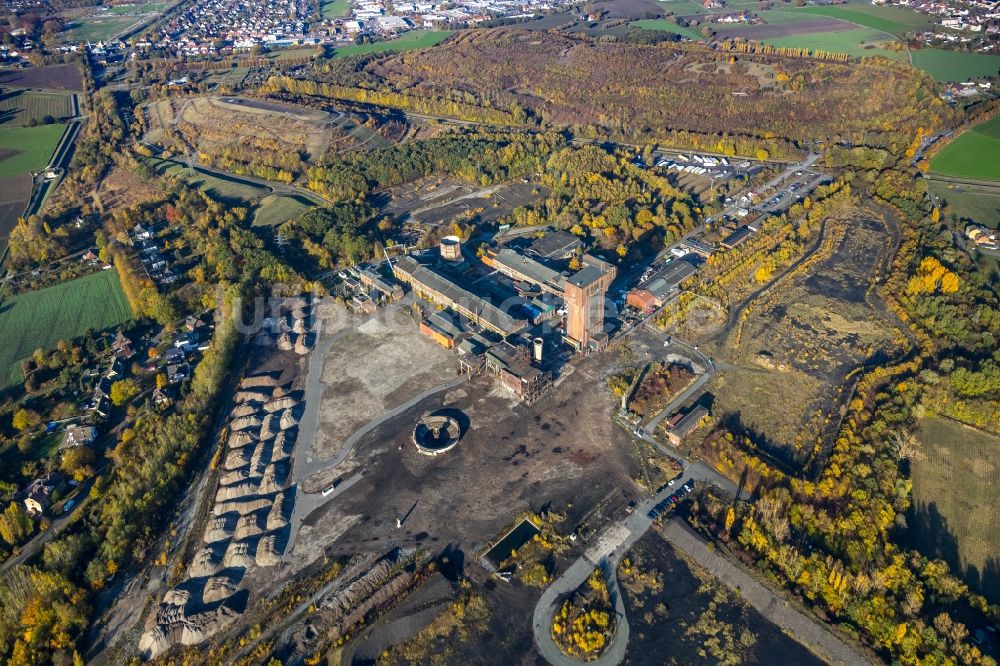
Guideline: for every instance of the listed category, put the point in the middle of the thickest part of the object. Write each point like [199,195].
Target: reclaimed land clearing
[378,366]
[973,154]
[859,42]
[39,319]
[212,124]
[28,149]
[955,516]
[20,107]
[414,39]
[800,342]
[674,606]
[228,188]
[956,65]
[276,209]
[122,189]
[435,201]
[53,77]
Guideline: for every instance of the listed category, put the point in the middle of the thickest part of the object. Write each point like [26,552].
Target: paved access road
[608,548]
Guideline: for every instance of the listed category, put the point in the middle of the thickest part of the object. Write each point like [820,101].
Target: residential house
[187,341]
[174,356]
[102,389]
[79,436]
[39,495]
[163,398]
[192,322]
[141,233]
[122,346]
[178,373]
[117,369]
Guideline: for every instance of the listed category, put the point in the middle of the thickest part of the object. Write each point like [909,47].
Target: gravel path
[807,630]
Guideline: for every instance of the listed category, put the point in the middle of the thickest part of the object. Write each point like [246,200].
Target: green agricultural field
[859,42]
[956,65]
[782,17]
[684,7]
[334,8]
[24,149]
[98,27]
[974,154]
[277,209]
[21,107]
[229,188]
[894,20]
[138,9]
[40,319]
[414,39]
[970,202]
[668,26]
[955,476]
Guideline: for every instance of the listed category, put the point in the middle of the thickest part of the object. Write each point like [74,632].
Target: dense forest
[603,196]
[480,158]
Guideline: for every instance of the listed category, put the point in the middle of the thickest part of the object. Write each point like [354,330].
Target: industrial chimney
[537,345]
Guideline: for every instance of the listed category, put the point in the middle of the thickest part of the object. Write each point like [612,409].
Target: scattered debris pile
[291,331]
[366,587]
[249,523]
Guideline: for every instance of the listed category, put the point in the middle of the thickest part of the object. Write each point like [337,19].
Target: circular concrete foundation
[434,435]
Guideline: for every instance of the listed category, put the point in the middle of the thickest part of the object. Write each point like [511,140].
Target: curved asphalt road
[614,542]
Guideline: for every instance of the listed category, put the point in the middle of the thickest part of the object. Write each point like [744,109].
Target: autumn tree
[15,524]
[123,391]
[25,419]
[77,461]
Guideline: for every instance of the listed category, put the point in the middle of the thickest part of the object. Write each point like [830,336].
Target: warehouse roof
[470,304]
[534,270]
[556,245]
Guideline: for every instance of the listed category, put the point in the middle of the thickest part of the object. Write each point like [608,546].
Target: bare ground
[564,450]
[372,369]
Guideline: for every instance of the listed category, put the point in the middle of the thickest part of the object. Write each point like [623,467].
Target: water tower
[451,248]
